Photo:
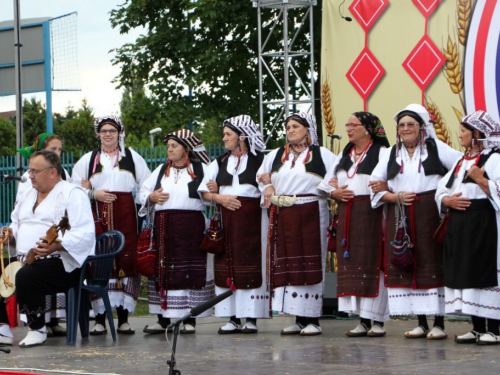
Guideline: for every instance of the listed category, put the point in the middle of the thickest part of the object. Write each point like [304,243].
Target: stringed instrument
[7,284]
[50,237]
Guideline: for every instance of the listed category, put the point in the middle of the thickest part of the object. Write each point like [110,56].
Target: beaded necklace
[361,156]
[475,157]
[238,156]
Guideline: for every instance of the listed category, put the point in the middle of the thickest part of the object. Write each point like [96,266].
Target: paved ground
[266,353]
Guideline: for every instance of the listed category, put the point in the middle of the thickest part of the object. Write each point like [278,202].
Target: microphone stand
[197,310]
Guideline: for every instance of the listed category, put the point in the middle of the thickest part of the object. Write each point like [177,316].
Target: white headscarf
[484,123]
[245,124]
[310,119]
[424,115]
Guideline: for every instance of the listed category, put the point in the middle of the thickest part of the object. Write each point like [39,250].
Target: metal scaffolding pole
[275,63]
[19,92]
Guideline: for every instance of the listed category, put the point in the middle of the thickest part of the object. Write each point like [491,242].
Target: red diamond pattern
[423,63]
[365,73]
[426,6]
[367,12]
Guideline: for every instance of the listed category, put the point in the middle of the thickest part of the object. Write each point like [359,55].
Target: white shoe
[98,330]
[437,333]
[249,327]
[468,338]
[376,331]
[311,330]
[293,330]
[34,338]
[230,327]
[58,331]
[188,329]
[126,329]
[488,339]
[417,333]
[6,336]
[360,331]
[156,328]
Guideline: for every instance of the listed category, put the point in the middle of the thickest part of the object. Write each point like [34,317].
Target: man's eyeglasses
[108,131]
[34,172]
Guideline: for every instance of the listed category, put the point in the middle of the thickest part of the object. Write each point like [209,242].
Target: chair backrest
[107,246]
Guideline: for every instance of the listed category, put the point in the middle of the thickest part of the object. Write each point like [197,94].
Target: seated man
[57,266]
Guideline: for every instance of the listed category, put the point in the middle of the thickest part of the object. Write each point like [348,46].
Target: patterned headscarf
[245,124]
[373,126]
[192,143]
[484,123]
[311,121]
[37,145]
[115,122]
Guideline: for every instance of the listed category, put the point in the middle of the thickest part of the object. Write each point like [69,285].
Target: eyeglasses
[108,131]
[409,125]
[351,126]
[34,172]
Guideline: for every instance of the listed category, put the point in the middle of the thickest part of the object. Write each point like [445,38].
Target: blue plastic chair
[94,279]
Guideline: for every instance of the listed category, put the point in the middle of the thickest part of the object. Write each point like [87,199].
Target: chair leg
[84,313]
[109,312]
[71,312]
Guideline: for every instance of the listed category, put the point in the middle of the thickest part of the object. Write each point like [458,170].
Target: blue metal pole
[47,75]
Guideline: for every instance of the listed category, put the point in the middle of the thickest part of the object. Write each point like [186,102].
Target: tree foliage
[8,137]
[208,46]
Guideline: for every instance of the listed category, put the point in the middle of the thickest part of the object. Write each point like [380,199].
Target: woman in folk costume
[298,222]
[412,169]
[110,174]
[360,279]
[56,305]
[184,276]
[241,266]
[470,192]
[44,141]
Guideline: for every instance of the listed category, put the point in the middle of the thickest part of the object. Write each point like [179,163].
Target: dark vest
[193,185]
[482,160]
[432,165]
[125,163]
[314,166]
[366,166]
[248,176]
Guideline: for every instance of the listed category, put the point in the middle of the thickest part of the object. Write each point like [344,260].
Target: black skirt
[470,249]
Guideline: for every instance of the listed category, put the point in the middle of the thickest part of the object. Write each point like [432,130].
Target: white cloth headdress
[311,120]
[484,123]
[191,142]
[424,115]
[245,124]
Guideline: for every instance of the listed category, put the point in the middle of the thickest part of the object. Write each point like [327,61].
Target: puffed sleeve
[380,174]
[492,169]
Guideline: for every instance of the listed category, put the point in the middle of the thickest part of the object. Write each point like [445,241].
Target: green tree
[78,131]
[208,46]
[8,137]
[140,114]
[34,119]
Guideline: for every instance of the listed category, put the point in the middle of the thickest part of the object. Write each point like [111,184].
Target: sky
[95,37]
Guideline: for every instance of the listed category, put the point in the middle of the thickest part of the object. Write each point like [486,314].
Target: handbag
[214,241]
[146,246]
[402,253]
[442,229]
[332,229]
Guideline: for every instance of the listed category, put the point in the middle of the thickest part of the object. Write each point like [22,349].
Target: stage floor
[267,352]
